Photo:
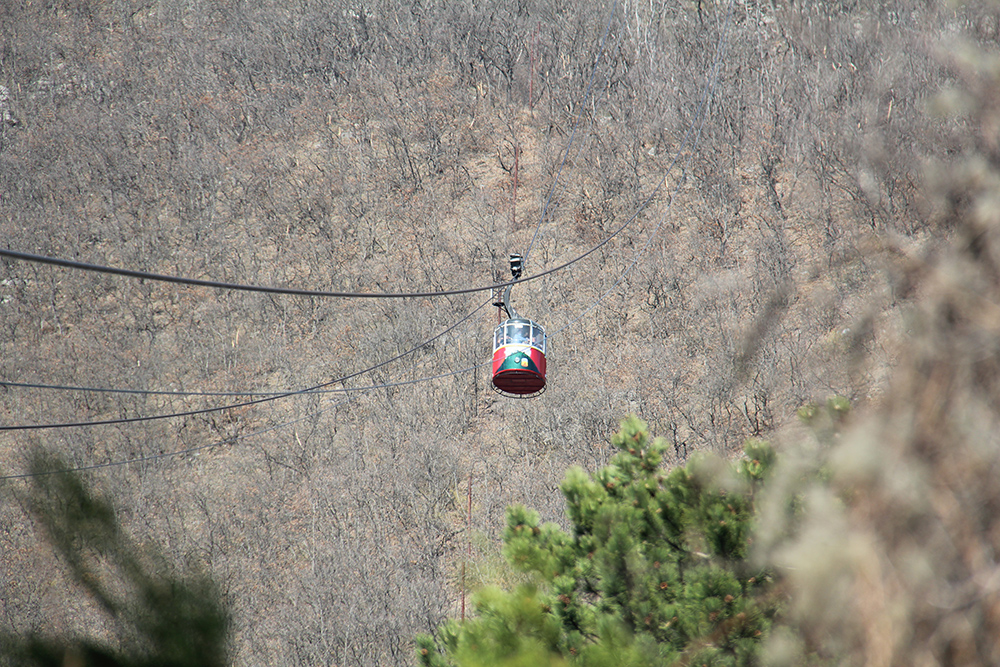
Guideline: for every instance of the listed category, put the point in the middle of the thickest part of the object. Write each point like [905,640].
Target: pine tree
[163,616]
[653,572]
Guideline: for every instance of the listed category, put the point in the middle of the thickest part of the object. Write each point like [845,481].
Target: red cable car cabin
[519,358]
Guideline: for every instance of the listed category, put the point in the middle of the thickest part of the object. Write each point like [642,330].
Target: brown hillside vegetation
[338,145]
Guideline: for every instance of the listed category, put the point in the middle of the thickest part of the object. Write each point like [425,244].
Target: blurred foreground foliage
[655,570]
[155,613]
[893,556]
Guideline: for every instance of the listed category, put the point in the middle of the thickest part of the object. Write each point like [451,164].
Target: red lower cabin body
[519,370]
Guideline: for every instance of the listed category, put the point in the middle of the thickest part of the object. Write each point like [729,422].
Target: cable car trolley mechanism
[518,349]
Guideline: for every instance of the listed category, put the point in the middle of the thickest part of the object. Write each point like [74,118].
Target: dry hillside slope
[332,145]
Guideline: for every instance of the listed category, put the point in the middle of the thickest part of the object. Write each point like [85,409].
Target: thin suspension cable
[178,393]
[148,392]
[190,450]
[237,438]
[189,413]
[572,136]
[186,394]
[54,261]
[280,290]
[198,282]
